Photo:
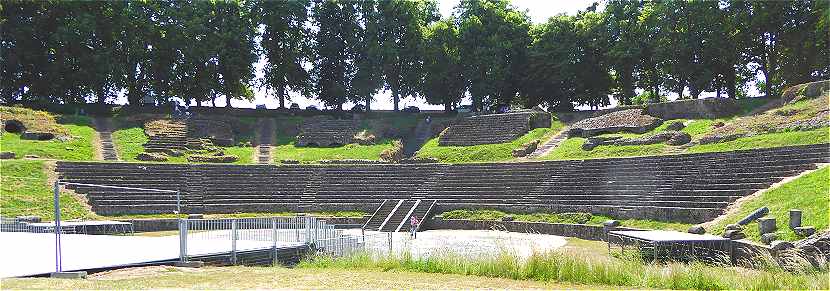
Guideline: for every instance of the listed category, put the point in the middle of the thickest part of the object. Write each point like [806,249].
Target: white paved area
[25,254]
[467,242]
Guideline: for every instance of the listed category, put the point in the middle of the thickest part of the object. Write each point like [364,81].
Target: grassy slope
[285,150]
[808,193]
[31,195]
[767,140]
[78,148]
[485,153]
[579,218]
[239,277]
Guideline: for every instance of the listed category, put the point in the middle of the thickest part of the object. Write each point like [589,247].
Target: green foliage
[287,151]
[24,190]
[562,267]
[284,46]
[443,79]
[648,97]
[807,193]
[485,152]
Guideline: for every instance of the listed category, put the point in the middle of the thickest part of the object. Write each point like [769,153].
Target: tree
[400,29]
[443,79]
[334,49]
[368,78]
[284,46]
[494,40]
[234,28]
[621,21]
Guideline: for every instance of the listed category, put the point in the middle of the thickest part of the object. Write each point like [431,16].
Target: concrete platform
[29,254]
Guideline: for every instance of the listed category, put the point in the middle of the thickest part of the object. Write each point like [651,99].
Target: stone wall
[582,231]
[707,108]
[493,128]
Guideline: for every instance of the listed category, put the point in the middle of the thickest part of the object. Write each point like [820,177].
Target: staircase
[381,214]
[265,141]
[309,197]
[550,144]
[399,216]
[422,133]
[104,128]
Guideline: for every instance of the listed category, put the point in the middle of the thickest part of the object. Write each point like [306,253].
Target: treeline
[347,51]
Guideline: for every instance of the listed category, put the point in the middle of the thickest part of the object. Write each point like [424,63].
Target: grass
[808,193]
[77,148]
[777,139]
[24,190]
[239,277]
[571,149]
[573,218]
[286,150]
[562,267]
[487,152]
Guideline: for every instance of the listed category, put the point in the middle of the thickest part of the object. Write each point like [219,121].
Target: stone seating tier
[326,132]
[689,188]
[487,129]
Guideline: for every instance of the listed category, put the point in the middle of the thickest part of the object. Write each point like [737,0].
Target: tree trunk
[627,80]
[396,100]
[368,103]
[281,95]
[768,87]
[213,101]
[133,96]
[447,107]
[229,98]
[681,86]
[731,84]
[102,98]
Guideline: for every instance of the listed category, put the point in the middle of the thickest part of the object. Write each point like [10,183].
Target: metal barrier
[205,237]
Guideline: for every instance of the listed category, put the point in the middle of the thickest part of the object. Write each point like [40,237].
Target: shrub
[364,138]
[526,148]
[393,154]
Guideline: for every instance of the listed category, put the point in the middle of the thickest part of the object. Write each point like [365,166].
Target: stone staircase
[326,132]
[685,188]
[550,144]
[419,138]
[266,140]
[104,128]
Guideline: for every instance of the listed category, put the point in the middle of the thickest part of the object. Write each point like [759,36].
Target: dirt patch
[140,272]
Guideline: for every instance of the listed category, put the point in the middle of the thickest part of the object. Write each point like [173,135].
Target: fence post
[182,240]
[58,256]
[178,202]
[390,242]
[274,238]
[233,241]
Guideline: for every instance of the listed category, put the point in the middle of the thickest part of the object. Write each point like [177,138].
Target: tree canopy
[338,51]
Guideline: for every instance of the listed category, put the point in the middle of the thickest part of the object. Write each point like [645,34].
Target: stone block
[68,275]
[734,234]
[189,264]
[804,230]
[795,218]
[508,218]
[7,155]
[768,238]
[758,213]
[28,218]
[697,229]
[153,157]
[780,245]
[611,223]
[734,227]
[766,225]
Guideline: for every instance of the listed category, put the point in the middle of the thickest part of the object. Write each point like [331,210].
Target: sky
[538,10]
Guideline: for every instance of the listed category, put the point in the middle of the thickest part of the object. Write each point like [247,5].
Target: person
[413,226]
[428,119]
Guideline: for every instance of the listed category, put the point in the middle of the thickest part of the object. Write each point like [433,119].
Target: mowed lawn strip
[239,277]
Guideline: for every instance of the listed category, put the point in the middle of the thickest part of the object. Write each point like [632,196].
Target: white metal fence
[204,237]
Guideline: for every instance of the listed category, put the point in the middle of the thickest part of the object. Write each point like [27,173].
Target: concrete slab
[26,254]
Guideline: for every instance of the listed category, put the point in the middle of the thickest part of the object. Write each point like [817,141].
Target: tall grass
[560,267]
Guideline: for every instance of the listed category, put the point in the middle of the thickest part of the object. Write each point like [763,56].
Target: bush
[647,97]
[364,138]
[526,148]
[393,154]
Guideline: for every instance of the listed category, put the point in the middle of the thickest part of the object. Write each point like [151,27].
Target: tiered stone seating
[488,129]
[326,132]
[165,135]
[126,201]
[687,188]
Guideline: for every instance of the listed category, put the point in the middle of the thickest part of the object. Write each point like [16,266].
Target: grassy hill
[73,133]
[808,193]
[25,190]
